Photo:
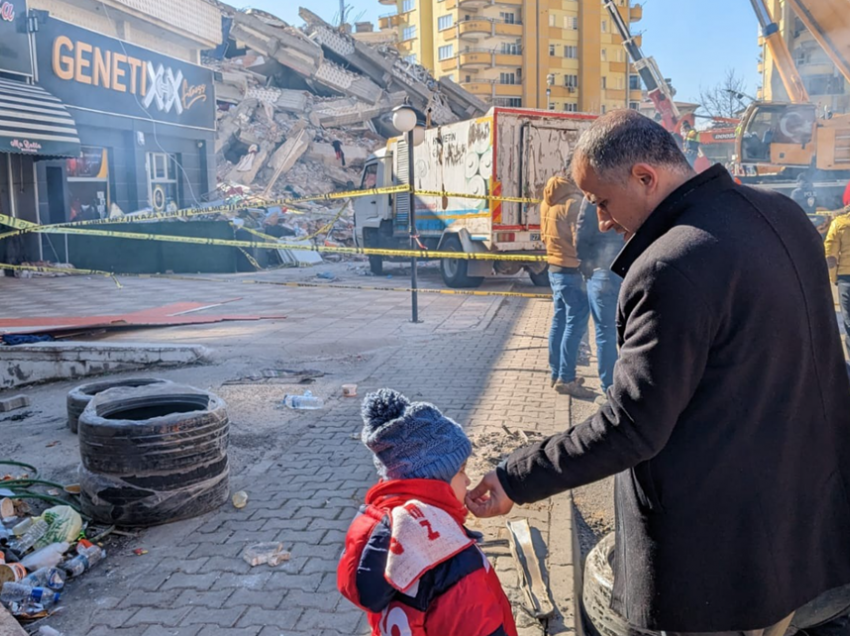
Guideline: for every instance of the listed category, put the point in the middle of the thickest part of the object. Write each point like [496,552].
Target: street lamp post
[410,122]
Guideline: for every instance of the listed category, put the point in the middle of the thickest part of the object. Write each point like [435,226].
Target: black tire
[599,583]
[153,454]
[541,279]
[455,271]
[596,596]
[376,265]
[79,397]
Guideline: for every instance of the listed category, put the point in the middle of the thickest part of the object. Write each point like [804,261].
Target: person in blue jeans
[596,251]
[558,214]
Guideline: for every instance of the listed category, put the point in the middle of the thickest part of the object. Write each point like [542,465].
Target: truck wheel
[454,271]
[376,265]
[541,279]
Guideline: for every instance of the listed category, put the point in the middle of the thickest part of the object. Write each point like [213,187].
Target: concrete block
[51,361]
[13,403]
[8,625]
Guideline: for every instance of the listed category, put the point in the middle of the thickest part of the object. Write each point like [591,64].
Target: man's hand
[488,498]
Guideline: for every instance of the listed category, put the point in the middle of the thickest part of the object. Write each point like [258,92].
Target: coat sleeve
[668,333]
[471,607]
[832,244]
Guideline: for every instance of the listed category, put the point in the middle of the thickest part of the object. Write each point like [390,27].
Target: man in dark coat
[728,424]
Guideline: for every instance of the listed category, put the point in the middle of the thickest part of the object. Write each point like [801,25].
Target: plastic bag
[47,557]
[65,525]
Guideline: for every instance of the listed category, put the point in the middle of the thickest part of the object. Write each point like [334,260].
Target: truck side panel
[455,158]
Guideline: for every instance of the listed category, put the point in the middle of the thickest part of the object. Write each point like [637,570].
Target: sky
[693,41]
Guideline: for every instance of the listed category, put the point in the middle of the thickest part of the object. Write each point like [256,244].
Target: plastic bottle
[47,557]
[84,561]
[29,538]
[23,593]
[49,578]
[306,402]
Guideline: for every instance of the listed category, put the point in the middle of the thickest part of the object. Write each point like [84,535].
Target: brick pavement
[305,493]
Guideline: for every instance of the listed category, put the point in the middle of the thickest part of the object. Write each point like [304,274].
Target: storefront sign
[94,72]
[15,55]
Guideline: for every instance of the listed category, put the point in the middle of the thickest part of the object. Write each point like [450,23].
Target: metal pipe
[411,219]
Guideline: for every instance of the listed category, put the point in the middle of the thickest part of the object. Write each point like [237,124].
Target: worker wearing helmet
[690,139]
[837,247]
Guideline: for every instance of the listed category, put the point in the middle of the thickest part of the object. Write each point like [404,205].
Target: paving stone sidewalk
[493,380]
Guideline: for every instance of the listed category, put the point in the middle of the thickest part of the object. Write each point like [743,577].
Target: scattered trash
[271,553]
[48,577]
[23,595]
[240,499]
[64,524]
[7,509]
[51,444]
[33,533]
[286,376]
[140,552]
[46,630]
[306,402]
[326,276]
[349,390]
[85,560]
[12,572]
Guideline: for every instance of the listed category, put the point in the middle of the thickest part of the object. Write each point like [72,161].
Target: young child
[408,560]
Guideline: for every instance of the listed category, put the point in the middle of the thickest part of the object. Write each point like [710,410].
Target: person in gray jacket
[597,250]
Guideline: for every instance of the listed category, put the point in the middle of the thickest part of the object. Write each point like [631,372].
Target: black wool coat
[728,424]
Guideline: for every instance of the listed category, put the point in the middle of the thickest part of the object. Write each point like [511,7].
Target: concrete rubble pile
[300,110]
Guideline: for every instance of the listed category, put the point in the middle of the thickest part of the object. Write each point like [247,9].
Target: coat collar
[710,182]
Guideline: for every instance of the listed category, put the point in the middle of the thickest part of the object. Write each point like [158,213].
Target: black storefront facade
[33,125]
[146,125]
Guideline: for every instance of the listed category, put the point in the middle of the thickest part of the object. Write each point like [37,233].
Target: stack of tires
[79,398]
[153,454]
[824,616]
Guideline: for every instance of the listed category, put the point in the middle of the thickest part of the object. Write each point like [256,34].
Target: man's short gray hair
[619,140]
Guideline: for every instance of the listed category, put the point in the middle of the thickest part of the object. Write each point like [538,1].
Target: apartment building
[825,84]
[559,54]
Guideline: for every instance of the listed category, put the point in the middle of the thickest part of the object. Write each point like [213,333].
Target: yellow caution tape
[192,240]
[449,292]
[483,197]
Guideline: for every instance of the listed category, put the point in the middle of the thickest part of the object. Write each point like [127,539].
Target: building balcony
[389,21]
[513,60]
[472,5]
[492,88]
[450,5]
[636,13]
[449,64]
[508,90]
[476,28]
[617,67]
[473,60]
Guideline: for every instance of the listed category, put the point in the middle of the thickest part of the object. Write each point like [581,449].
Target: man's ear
[646,175]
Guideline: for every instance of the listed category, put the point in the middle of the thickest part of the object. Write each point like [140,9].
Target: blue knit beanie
[412,441]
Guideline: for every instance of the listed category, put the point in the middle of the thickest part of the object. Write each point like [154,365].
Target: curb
[52,361]
[8,625]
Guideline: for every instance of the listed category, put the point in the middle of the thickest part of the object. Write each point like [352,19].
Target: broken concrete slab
[245,172]
[52,361]
[13,403]
[285,157]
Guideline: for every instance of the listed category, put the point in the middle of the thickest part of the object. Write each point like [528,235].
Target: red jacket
[846,197]
[413,567]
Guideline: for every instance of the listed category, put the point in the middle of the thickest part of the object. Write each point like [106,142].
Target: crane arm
[657,88]
[791,79]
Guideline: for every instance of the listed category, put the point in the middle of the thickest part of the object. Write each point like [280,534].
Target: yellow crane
[788,138]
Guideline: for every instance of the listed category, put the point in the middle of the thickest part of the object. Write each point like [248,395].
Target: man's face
[622,205]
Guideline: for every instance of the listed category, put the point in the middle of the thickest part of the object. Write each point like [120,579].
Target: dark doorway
[54,244]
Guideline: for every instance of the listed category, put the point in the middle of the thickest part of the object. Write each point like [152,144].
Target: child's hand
[488,498]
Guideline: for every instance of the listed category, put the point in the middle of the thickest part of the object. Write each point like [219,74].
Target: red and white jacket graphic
[413,567]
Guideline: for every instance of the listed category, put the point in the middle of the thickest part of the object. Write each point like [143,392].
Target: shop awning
[33,122]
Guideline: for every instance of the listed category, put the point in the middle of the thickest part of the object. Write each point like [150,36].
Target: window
[571,22]
[604,82]
[446,52]
[621,83]
[370,176]
[604,55]
[604,26]
[411,59]
[511,49]
[162,181]
[551,49]
[570,108]
[619,55]
[634,82]
[603,109]
[508,18]
[634,105]
[88,185]
[409,33]
[571,52]
[445,22]
[408,5]
[551,106]
[571,81]
[552,19]
[507,78]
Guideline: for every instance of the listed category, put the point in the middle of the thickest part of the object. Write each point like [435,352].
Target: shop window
[88,184]
[163,190]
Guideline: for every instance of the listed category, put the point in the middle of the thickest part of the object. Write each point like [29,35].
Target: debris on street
[262,553]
